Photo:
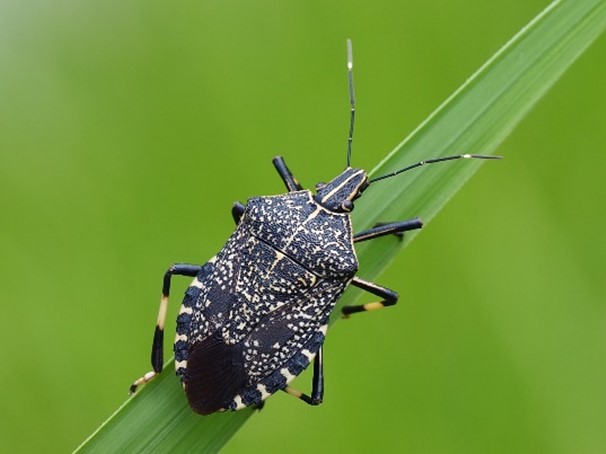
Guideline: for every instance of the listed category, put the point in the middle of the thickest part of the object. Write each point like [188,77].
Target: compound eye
[320,186]
[347,205]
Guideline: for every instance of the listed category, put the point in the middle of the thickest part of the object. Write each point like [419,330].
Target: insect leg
[317,386]
[387,229]
[237,211]
[289,180]
[157,353]
[389,297]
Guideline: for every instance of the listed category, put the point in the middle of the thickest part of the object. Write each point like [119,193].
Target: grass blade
[476,118]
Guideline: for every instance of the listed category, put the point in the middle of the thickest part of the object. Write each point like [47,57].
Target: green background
[126,133]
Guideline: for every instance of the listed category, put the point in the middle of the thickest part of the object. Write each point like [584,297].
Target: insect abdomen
[250,335]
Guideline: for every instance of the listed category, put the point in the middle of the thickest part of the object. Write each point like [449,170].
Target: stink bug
[256,314]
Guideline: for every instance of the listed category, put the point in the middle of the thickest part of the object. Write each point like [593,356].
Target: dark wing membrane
[215,373]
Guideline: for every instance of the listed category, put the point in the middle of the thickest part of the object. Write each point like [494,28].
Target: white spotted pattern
[270,291]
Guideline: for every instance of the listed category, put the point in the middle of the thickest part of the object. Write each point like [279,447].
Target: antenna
[352,101]
[433,161]
[352,118]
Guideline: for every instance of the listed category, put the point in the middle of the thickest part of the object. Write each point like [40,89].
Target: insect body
[259,312]
[256,314]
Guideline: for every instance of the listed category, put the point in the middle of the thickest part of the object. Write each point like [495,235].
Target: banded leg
[289,180]
[317,384]
[388,229]
[157,353]
[389,297]
[237,211]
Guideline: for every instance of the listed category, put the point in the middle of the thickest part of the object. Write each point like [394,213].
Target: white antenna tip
[349,55]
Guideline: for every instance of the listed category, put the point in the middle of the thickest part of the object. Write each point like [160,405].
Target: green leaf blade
[158,419]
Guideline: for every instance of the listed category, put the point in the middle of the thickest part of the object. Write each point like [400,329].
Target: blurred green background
[128,130]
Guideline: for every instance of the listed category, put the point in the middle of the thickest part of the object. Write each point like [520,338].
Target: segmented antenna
[433,161]
[352,101]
